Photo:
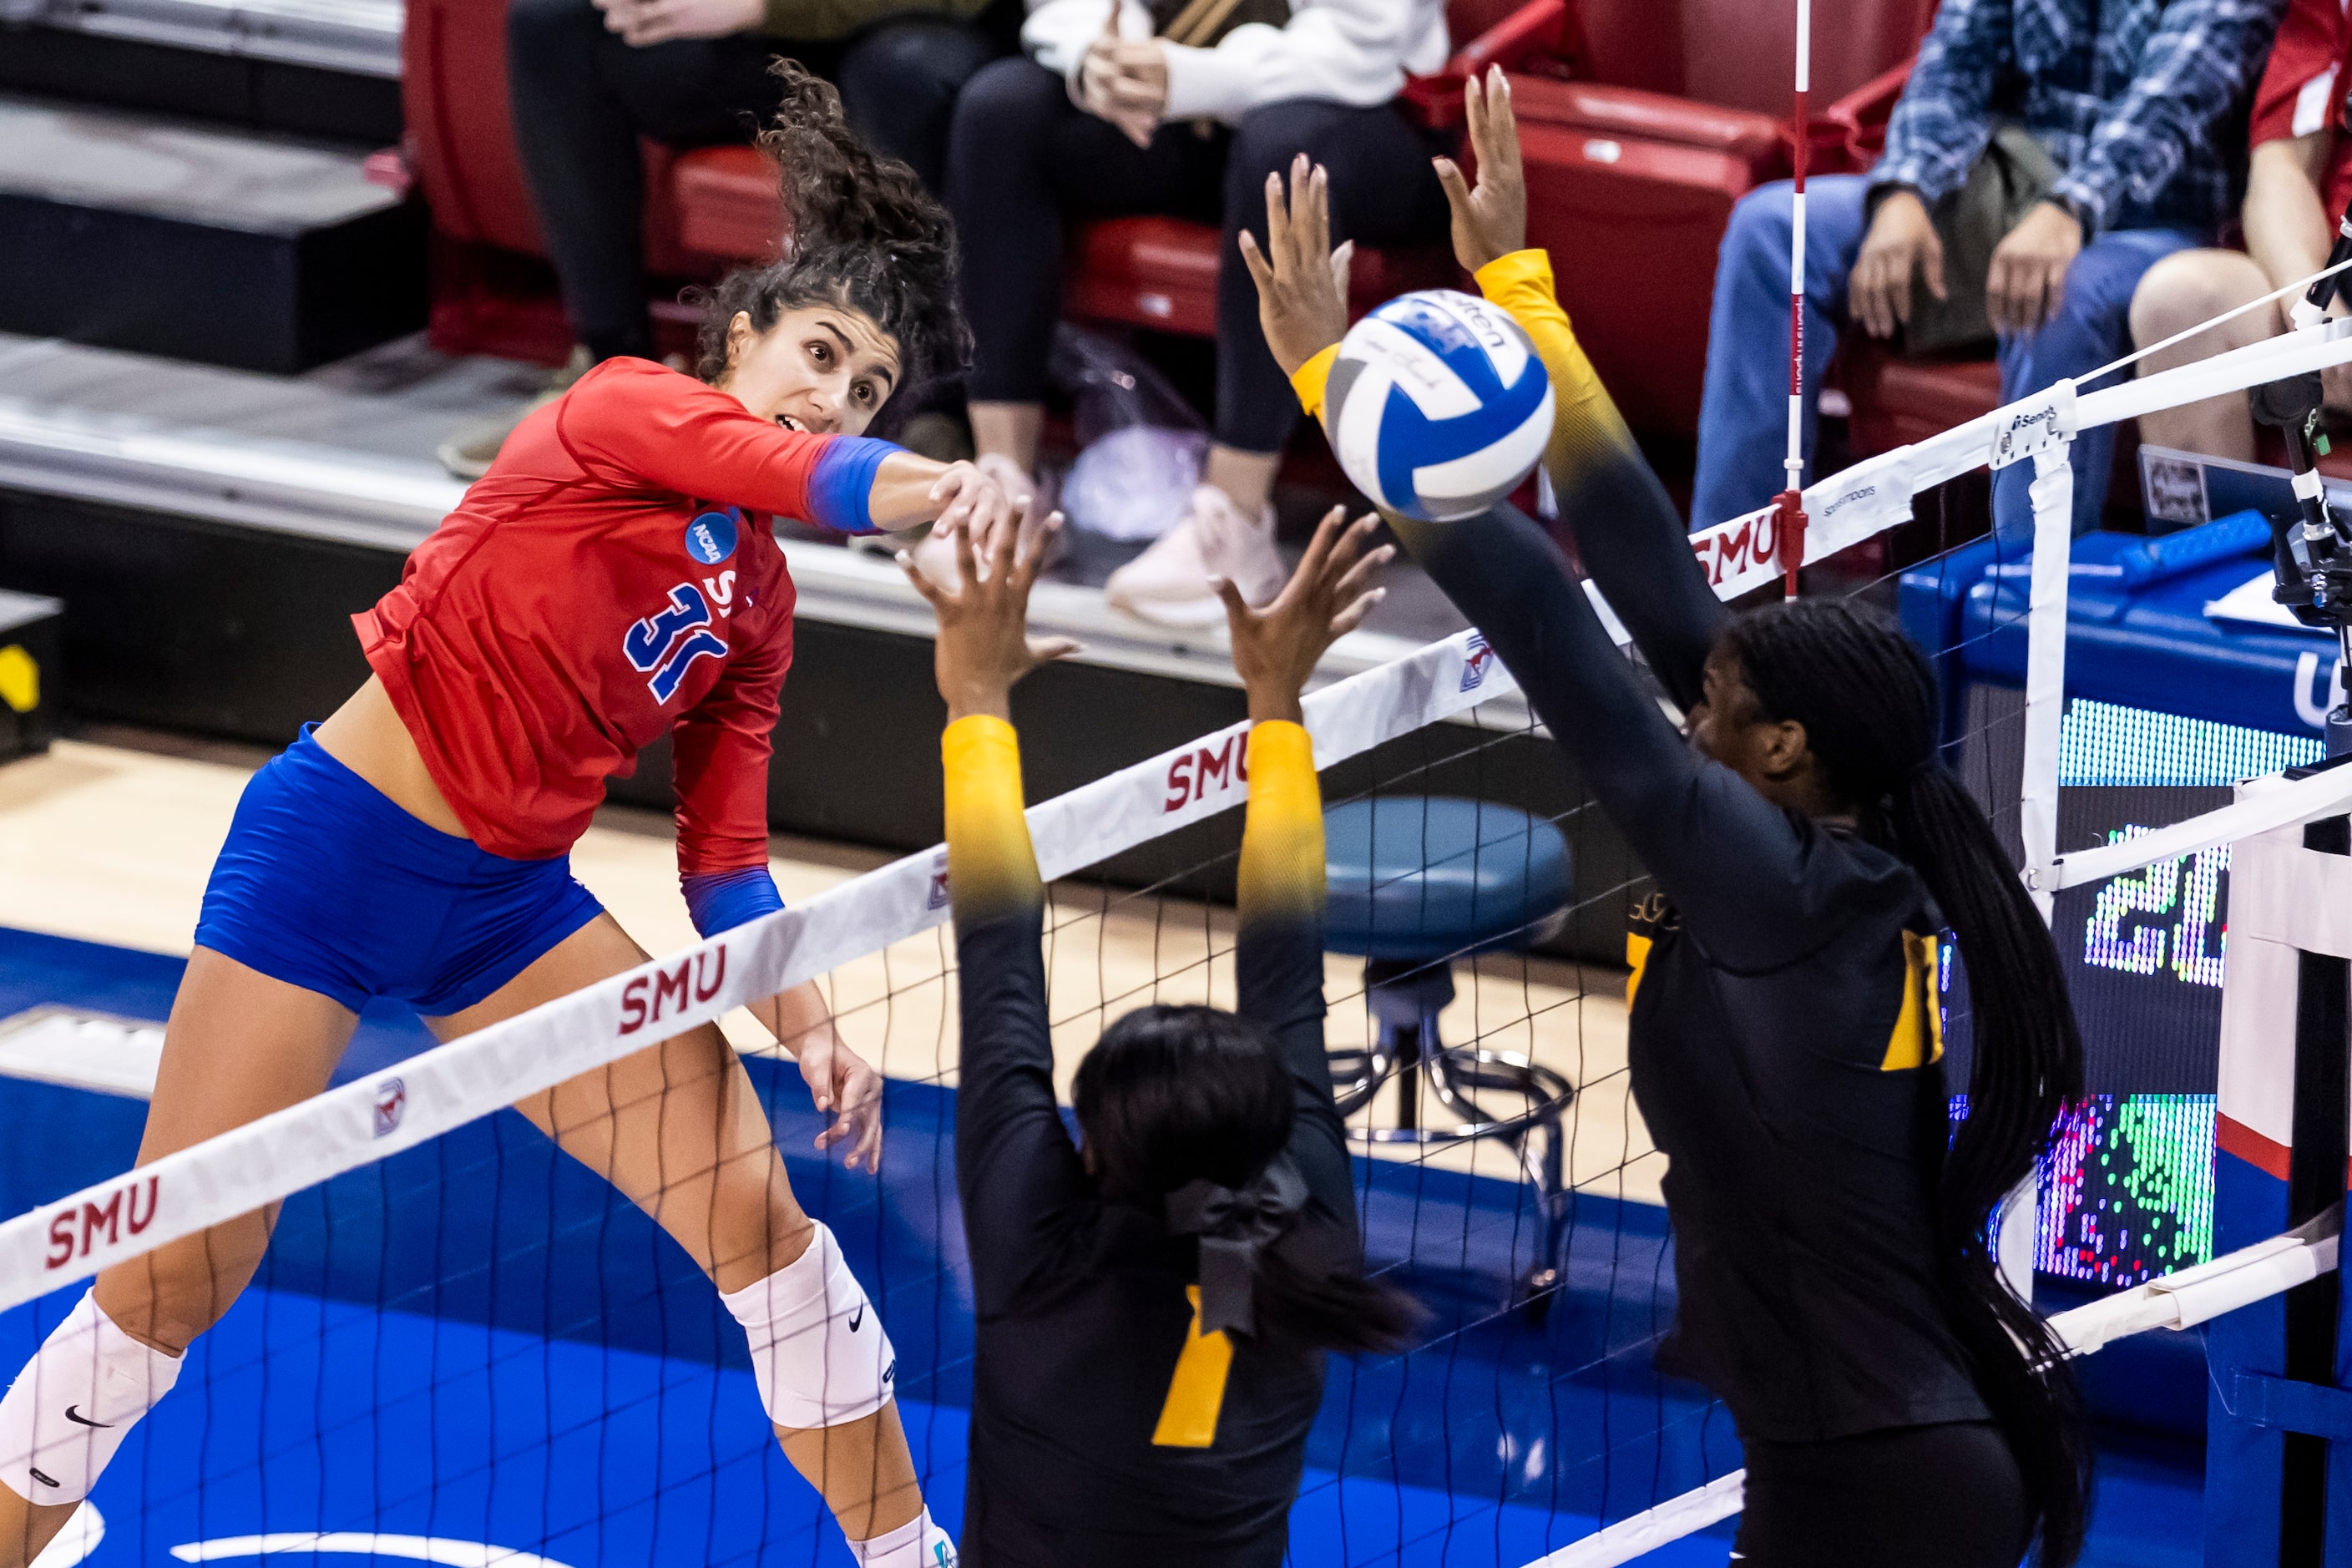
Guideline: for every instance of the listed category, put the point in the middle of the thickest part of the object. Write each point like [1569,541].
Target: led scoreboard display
[2129,1191]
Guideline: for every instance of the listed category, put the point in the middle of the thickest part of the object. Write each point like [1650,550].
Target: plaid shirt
[2141,102]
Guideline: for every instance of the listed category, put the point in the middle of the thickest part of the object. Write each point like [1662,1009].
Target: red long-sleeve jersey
[613,578]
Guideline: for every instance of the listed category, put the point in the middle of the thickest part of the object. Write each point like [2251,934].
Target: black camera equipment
[2311,555]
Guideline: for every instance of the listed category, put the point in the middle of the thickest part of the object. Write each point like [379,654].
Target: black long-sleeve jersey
[1784,1038]
[1106,1427]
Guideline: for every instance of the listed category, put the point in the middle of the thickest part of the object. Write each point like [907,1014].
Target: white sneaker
[1169,582]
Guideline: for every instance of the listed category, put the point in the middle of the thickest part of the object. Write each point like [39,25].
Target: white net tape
[465,1080]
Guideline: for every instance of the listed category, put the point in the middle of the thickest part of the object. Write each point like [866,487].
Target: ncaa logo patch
[710,538]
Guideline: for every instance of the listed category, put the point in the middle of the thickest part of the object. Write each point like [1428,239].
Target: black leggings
[1921,1497]
[1024,156]
[581,97]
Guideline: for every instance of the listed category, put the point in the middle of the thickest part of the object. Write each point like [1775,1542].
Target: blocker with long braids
[1895,1403]
[1864,694]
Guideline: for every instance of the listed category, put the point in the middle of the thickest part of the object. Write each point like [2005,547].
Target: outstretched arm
[1727,857]
[1016,1170]
[1632,540]
[1279,954]
[641,422]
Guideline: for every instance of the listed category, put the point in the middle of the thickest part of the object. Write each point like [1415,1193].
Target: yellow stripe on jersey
[1918,1036]
[1197,1393]
[1281,868]
[1637,959]
[992,869]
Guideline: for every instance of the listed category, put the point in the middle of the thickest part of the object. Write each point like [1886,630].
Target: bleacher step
[256,251]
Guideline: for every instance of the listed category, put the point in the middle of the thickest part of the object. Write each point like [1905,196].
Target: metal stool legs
[1405,999]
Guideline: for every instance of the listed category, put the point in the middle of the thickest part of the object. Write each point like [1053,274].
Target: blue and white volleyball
[1438,406]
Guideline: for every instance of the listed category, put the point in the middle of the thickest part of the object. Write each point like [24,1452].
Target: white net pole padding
[2048,442]
[2045,659]
[2285,901]
[2176,1301]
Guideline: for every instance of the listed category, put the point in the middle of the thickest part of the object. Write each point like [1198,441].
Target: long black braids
[1865,695]
[860,231]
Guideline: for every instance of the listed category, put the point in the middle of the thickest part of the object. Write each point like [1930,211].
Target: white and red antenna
[1789,508]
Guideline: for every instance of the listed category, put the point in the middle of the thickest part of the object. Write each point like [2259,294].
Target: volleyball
[1438,406]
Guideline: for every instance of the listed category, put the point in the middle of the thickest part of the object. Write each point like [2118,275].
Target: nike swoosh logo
[857,1317]
[40,1478]
[80,1420]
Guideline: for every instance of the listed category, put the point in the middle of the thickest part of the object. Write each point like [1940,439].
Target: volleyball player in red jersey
[612,579]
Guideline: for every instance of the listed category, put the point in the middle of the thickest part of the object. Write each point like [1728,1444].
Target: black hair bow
[1233,1224]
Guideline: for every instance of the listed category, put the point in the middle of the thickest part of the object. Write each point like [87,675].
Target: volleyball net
[463,1348]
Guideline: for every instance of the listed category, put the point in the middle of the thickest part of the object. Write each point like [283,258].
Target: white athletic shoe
[1169,582]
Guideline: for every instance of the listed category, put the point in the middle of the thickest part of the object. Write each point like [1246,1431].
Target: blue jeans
[1743,422]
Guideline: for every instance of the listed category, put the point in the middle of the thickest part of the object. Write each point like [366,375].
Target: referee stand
[2279,1397]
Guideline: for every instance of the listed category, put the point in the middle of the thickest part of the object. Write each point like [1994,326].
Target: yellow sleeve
[991,868]
[1521,284]
[1309,380]
[1282,871]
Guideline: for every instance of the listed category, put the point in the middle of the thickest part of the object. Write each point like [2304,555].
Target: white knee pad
[919,1543]
[817,1344]
[73,1402]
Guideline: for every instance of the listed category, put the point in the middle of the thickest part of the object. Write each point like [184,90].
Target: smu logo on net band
[1210,769]
[75,1227]
[1748,543]
[649,999]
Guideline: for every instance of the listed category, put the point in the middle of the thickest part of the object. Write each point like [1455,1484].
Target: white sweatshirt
[1355,52]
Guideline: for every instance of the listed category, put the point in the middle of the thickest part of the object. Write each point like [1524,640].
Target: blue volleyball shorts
[326,884]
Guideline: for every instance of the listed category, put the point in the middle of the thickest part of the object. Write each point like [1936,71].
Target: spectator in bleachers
[2298,183]
[587,79]
[1107,116]
[2095,139]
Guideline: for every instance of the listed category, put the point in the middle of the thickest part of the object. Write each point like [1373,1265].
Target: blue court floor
[475,1345]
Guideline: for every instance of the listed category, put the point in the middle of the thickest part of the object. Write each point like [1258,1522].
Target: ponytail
[1312,1289]
[1865,696]
[1187,1113]
[860,231]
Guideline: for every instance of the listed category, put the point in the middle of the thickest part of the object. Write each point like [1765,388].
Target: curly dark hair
[861,232]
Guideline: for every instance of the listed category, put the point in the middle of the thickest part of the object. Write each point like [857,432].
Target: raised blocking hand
[1278,647]
[1302,282]
[983,645]
[1491,221]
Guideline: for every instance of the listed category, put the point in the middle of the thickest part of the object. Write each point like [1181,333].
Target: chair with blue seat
[1417,881]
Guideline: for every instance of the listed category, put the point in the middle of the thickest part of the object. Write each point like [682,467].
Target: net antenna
[1789,510]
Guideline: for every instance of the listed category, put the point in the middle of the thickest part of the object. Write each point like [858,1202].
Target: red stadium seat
[489,296]
[1161,272]
[1634,162]
[714,207]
